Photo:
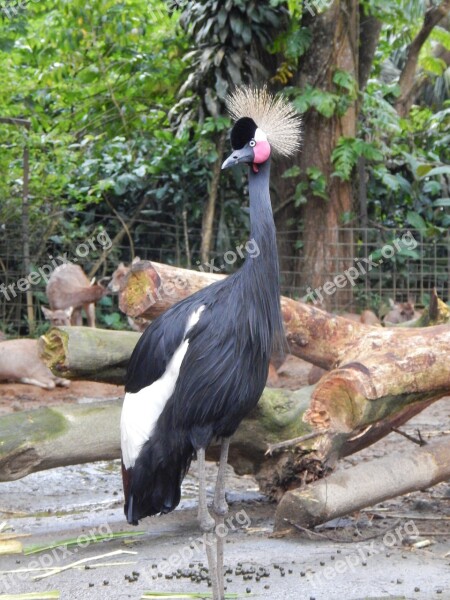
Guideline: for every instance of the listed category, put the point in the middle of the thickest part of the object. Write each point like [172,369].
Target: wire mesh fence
[367,266]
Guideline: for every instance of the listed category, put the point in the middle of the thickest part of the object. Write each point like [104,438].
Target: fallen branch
[364,485]
[74,434]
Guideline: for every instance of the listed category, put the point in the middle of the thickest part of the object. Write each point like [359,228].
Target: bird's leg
[207,524]
[220,508]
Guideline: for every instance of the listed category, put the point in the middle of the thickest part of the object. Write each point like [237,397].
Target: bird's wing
[221,376]
[155,348]
[153,373]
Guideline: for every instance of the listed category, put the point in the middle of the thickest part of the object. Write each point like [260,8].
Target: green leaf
[414,254]
[298,42]
[294,171]
[345,80]
[434,65]
[344,157]
[423,170]
[390,181]
[442,203]
[415,220]
[439,171]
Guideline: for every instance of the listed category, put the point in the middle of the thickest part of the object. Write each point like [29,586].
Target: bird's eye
[252,143]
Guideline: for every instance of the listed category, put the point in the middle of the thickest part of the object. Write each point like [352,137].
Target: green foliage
[348,150]
[309,97]
[228,40]
[126,107]
[325,102]
[96,79]
[317,183]
[411,184]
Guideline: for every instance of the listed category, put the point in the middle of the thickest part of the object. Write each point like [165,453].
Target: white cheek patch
[260,136]
[141,410]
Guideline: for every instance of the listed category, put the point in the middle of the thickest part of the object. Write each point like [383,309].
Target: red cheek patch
[262,152]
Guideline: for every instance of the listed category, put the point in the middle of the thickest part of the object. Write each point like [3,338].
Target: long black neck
[261,269]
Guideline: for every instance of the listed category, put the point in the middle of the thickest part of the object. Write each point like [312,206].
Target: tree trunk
[326,248]
[210,210]
[369,34]
[406,83]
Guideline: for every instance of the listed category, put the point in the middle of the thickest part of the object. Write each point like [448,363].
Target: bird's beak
[244,155]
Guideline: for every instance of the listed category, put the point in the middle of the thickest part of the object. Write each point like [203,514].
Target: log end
[53,348]
[140,289]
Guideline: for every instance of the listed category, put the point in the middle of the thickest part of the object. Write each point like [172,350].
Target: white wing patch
[141,410]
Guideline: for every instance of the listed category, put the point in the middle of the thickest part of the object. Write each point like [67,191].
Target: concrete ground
[369,555]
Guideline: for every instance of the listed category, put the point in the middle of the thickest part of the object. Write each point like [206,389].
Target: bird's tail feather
[154,483]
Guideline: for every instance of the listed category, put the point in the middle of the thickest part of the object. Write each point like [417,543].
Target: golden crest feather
[277,118]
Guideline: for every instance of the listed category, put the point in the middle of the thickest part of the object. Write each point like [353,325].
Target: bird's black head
[249,144]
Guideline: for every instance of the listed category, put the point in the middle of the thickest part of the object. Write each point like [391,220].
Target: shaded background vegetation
[128,130]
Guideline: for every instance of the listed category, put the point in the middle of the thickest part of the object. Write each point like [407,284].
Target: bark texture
[379,377]
[364,485]
[433,16]
[335,46]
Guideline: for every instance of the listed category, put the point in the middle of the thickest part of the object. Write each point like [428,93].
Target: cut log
[364,485]
[379,378]
[149,289]
[54,437]
[74,434]
[313,334]
[379,375]
[87,353]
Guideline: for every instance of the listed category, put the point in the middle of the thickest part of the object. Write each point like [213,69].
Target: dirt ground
[399,549]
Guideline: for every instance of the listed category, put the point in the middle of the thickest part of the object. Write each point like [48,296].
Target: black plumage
[224,371]
[204,362]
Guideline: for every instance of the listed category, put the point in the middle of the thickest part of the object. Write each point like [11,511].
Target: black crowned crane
[201,367]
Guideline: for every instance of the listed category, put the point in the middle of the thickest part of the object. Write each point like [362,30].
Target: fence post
[25,214]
